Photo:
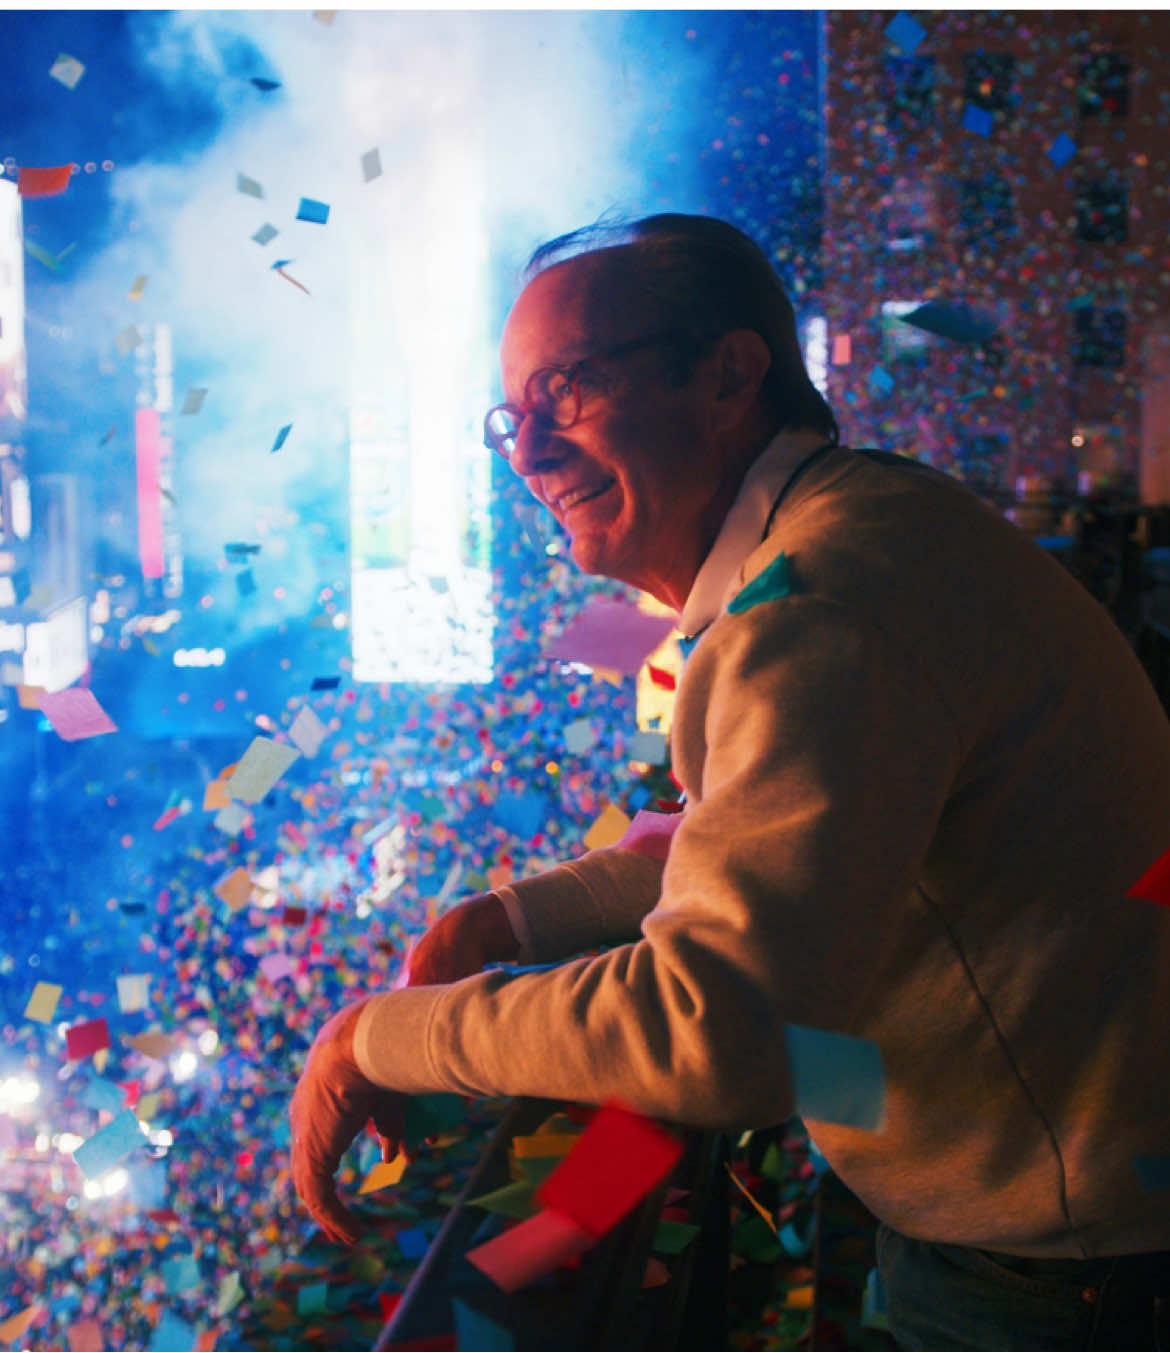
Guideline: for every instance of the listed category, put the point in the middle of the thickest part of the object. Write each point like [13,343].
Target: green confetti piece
[430,1115]
[313,1299]
[538,1168]
[773,1166]
[754,1240]
[672,1237]
[513,1200]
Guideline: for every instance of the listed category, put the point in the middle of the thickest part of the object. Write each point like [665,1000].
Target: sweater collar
[743,527]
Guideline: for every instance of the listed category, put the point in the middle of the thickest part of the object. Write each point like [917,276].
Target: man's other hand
[461,942]
[332,1103]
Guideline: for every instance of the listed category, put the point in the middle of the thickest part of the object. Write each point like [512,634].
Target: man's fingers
[336,1220]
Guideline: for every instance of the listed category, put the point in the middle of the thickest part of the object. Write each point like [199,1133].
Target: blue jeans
[948,1296]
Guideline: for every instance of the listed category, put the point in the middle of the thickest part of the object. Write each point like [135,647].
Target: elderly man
[922,770]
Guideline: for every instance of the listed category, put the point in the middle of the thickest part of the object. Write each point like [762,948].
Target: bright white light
[198,657]
[42,1141]
[208,1042]
[114,1182]
[184,1065]
[67,1142]
[816,351]
[93,1188]
[17,1091]
[161,1137]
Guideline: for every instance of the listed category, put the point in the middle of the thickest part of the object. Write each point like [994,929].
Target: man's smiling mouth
[575,497]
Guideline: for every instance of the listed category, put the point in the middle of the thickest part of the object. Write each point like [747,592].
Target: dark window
[1099,337]
[988,80]
[985,208]
[909,91]
[1102,210]
[1104,85]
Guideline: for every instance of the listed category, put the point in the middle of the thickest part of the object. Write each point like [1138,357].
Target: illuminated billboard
[422,352]
[13,375]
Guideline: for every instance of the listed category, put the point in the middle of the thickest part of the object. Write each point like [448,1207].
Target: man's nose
[539,448]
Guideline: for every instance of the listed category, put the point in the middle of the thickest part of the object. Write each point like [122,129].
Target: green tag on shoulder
[767,586]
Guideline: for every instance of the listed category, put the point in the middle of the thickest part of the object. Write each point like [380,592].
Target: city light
[184,1065]
[17,1091]
[112,1182]
[199,657]
[208,1042]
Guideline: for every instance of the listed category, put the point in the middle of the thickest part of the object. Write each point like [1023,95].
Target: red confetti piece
[44,182]
[618,1159]
[1154,884]
[83,1040]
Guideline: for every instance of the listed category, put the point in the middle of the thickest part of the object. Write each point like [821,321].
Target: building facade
[1014,165]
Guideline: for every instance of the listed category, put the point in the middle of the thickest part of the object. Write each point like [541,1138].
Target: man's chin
[588,551]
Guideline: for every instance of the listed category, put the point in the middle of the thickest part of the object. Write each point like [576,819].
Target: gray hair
[708,277]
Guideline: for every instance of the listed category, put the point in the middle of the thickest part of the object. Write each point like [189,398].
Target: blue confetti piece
[312,210]
[281,437]
[413,1243]
[836,1078]
[180,1274]
[266,86]
[769,585]
[473,1329]
[905,32]
[1153,1172]
[103,1094]
[977,120]
[687,642]
[172,1335]
[245,583]
[313,1299]
[1062,150]
[881,380]
[108,1146]
[639,797]
[148,1184]
[521,814]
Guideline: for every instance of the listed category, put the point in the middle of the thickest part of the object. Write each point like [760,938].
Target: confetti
[67,69]
[371,165]
[312,210]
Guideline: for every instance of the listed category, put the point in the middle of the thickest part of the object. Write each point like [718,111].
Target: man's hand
[332,1103]
[461,942]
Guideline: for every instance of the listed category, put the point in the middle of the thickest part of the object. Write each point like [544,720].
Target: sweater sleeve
[600,898]
[817,759]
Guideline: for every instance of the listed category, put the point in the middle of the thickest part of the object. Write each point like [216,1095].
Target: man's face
[635,480]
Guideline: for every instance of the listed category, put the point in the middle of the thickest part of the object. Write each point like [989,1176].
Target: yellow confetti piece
[760,1208]
[609,828]
[100,1058]
[235,889]
[384,1174]
[215,796]
[138,288]
[799,1298]
[147,1107]
[30,696]
[544,1144]
[16,1326]
[43,1002]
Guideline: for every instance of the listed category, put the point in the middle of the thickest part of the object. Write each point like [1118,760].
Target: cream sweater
[918,788]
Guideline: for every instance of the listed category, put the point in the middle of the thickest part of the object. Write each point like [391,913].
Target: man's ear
[744,361]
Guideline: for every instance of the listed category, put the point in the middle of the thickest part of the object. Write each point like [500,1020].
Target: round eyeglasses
[552,395]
